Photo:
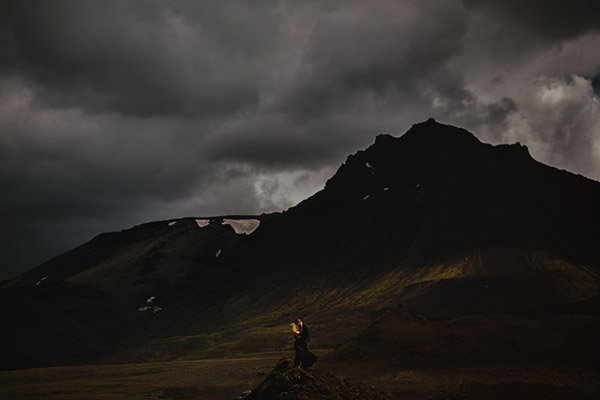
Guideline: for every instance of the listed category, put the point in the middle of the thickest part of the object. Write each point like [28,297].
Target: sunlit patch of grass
[576,282]
[336,313]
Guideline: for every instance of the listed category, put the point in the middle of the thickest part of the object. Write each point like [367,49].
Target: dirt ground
[177,380]
[469,383]
[225,379]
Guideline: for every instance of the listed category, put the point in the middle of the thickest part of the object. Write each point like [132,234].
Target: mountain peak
[384,138]
[426,146]
[433,133]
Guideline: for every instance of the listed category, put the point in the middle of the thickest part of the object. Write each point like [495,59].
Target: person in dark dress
[304,358]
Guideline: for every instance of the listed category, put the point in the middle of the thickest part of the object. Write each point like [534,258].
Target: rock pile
[286,382]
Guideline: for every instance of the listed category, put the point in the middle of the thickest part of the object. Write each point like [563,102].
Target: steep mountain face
[434,221]
[437,196]
[440,193]
[436,211]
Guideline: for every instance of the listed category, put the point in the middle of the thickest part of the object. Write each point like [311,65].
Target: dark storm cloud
[565,121]
[149,59]
[279,142]
[373,53]
[114,113]
[551,19]
[61,187]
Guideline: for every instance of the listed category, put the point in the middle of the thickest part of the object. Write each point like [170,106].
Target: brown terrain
[431,266]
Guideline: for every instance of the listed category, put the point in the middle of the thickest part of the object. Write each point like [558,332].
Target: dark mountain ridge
[434,222]
[493,195]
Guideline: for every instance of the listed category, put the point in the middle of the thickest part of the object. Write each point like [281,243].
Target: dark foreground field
[228,378]
[203,379]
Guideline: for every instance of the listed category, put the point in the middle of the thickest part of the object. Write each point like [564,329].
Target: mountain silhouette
[433,222]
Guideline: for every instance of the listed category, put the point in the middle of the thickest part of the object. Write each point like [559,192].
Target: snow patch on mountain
[40,281]
[240,226]
[369,166]
[172,223]
[202,222]
[150,306]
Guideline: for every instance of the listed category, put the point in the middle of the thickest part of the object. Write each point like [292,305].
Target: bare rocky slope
[286,382]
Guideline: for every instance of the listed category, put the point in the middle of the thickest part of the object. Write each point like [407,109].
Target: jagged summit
[431,145]
[435,134]
[432,133]
[433,154]
[432,136]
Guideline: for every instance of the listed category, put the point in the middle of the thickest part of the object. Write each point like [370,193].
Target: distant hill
[433,223]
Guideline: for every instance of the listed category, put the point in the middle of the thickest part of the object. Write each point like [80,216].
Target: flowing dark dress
[304,358]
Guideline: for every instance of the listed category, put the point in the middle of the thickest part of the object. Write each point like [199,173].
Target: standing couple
[304,358]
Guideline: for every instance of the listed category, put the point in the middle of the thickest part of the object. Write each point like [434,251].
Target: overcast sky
[114,113]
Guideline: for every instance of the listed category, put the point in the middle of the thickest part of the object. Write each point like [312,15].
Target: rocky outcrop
[290,383]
